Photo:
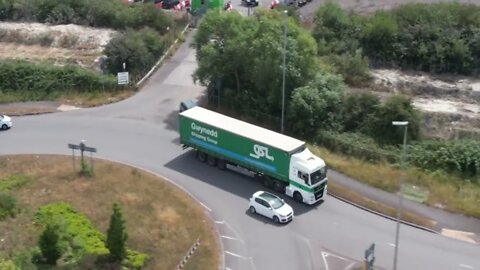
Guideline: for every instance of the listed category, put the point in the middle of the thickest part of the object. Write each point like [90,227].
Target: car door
[261,206]
[268,209]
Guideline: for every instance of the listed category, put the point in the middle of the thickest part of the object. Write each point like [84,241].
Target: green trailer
[281,162]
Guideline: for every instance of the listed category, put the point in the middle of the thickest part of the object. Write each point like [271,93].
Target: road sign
[122,78]
[370,256]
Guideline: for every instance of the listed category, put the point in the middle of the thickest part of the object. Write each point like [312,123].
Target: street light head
[399,123]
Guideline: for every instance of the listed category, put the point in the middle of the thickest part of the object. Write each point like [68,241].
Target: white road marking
[209,210]
[227,268]
[219,222]
[466,266]
[350,266]
[324,256]
[236,255]
[391,244]
[228,237]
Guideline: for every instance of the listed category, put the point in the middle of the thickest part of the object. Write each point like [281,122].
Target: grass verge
[443,191]
[161,220]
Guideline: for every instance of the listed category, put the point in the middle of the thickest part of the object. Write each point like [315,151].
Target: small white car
[5,122]
[271,206]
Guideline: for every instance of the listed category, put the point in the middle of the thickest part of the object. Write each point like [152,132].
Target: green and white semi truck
[281,162]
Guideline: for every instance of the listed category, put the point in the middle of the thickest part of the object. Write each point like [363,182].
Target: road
[141,131]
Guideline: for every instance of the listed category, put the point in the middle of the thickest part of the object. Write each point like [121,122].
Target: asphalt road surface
[141,131]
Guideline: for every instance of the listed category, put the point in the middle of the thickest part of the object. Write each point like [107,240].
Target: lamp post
[284,69]
[400,200]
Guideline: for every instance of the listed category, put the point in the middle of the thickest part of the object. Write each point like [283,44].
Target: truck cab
[307,177]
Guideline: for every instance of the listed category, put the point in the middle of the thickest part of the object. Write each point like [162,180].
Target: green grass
[441,190]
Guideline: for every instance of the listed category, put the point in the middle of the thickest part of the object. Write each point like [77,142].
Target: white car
[5,122]
[271,206]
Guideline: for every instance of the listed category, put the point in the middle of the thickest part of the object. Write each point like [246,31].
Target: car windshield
[273,200]
[318,176]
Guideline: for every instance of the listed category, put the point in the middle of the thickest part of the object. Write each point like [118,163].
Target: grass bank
[437,189]
[161,220]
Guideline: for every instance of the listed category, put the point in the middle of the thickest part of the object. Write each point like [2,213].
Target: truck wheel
[267,182]
[297,196]
[278,186]
[252,210]
[201,156]
[221,164]
[211,160]
[275,219]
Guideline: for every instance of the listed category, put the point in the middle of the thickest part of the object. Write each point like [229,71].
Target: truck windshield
[318,176]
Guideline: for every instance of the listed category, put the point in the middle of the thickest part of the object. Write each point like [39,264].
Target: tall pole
[400,200]
[284,69]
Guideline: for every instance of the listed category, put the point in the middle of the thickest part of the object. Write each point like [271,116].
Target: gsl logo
[260,151]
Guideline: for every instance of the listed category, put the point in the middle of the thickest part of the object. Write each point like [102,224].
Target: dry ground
[161,220]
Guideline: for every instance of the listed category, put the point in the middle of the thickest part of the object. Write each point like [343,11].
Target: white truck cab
[307,177]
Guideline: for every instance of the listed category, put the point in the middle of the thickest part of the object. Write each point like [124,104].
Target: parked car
[270,206]
[5,122]
[250,2]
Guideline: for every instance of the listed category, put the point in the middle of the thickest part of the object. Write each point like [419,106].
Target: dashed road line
[228,237]
[236,255]
[391,244]
[219,222]
[466,266]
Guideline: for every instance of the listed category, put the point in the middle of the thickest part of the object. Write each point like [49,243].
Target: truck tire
[279,186]
[201,156]
[221,164]
[267,182]
[297,196]
[211,160]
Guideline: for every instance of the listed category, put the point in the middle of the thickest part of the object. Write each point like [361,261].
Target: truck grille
[318,191]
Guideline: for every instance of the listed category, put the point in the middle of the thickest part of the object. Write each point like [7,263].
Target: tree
[357,109]
[245,54]
[316,105]
[116,234]
[49,244]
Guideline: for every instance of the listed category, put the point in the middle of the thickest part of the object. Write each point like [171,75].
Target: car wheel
[201,156]
[252,210]
[275,219]
[297,196]
[211,160]
[4,127]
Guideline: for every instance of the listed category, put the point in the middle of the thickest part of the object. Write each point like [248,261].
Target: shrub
[116,235]
[12,182]
[49,244]
[139,50]
[353,67]
[8,265]
[356,145]
[8,204]
[379,36]
[316,105]
[357,110]
[460,157]
[43,81]
[396,108]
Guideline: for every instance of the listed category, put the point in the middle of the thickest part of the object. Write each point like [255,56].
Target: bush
[43,81]
[379,36]
[8,204]
[459,157]
[138,49]
[116,235]
[356,145]
[316,105]
[353,67]
[357,110]
[396,108]
[12,182]
[49,244]
[8,265]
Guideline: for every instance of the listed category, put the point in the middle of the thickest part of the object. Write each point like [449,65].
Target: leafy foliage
[8,265]
[49,244]
[396,108]
[117,235]
[317,105]
[460,157]
[357,110]
[139,50]
[105,13]
[244,55]
[77,233]
[15,181]
[8,205]
[43,81]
